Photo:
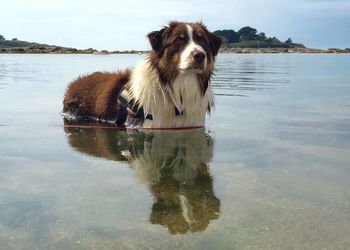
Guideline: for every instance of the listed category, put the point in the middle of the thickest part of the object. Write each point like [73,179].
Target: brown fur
[95,95]
[169,41]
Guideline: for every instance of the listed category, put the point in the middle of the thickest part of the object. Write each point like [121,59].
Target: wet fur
[156,83]
[95,95]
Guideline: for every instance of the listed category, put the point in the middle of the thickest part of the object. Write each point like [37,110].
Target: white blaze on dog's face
[184,47]
[193,57]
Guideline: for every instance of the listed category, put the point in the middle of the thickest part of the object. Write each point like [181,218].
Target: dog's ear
[156,39]
[215,42]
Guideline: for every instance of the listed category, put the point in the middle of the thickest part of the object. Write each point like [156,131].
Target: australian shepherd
[170,88]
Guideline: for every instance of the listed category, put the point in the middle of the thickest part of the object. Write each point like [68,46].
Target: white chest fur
[160,101]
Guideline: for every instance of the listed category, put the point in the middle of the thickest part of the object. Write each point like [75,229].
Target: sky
[124,24]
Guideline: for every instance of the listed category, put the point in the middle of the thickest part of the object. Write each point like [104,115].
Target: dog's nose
[199,56]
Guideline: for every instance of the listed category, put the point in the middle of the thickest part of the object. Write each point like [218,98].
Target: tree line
[248,37]
[14,42]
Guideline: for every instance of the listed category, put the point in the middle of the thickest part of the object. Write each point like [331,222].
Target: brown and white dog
[169,89]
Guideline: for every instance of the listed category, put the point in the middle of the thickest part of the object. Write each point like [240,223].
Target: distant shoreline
[62,50]
[283,50]
[40,49]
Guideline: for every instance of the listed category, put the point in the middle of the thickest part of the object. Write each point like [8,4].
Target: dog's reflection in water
[174,165]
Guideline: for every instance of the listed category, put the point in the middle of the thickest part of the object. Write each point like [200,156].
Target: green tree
[14,39]
[2,38]
[275,40]
[262,36]
[247,33]
[230,36]
[289,41]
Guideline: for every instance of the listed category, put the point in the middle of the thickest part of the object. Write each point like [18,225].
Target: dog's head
[183,47]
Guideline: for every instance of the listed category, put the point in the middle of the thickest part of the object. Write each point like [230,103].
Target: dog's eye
[200,36]
[180,38]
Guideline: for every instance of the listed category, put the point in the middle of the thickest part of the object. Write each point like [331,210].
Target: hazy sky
[113,25]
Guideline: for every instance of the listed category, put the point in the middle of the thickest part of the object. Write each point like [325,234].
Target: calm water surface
[271,170]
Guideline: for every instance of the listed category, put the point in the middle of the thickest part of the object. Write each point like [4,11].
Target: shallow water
[270,171]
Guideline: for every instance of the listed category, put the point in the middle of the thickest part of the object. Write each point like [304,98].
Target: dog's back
[95,95]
